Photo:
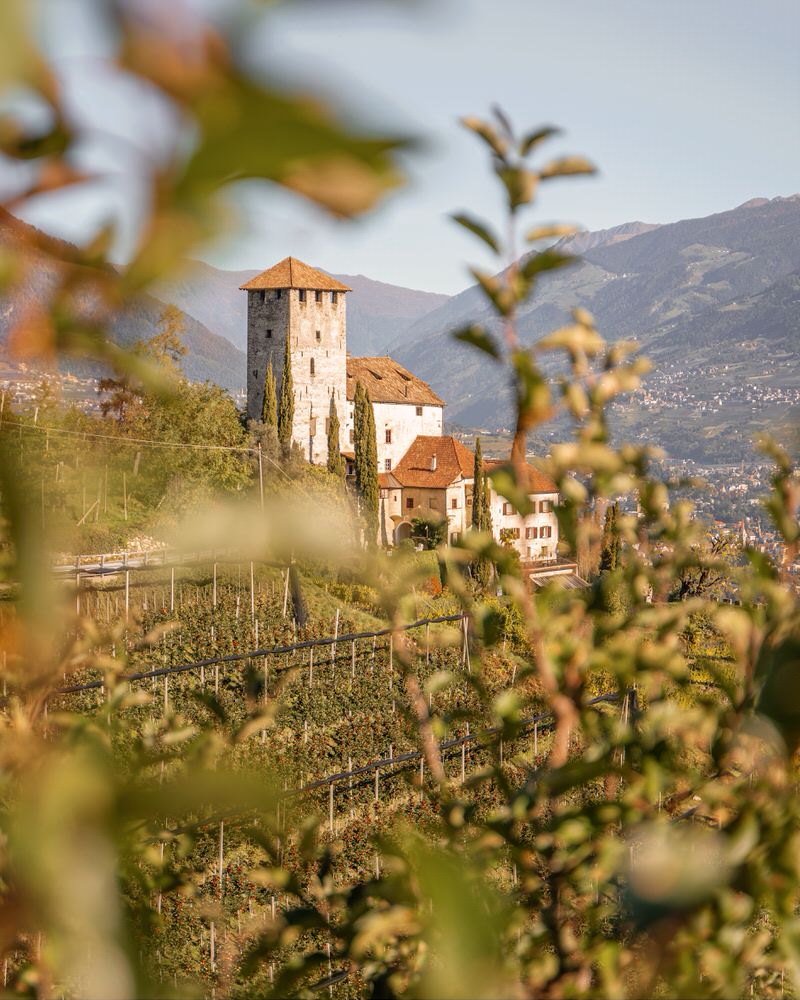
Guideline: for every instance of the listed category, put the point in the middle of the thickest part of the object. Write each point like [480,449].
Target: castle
[422,471]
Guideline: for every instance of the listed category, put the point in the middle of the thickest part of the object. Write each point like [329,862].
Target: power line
[122,439]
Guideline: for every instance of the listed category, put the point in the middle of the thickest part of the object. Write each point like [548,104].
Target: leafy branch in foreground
[647,847]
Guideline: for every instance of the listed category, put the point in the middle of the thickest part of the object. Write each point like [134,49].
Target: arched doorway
[402,532]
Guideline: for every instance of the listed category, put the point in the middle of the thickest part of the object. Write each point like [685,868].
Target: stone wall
[267,322]
[317,332]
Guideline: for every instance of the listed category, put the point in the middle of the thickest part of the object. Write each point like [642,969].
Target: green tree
[482,569]
[269,411]
[478,492]
[366,462]
[286,407]
[336,463]
[124,393]
[610,544]
[428,532]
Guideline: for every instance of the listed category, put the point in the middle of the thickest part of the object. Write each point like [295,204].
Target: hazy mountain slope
[664,284]
[377,312]
[208,356]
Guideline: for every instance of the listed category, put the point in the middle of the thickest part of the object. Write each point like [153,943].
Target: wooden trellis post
[330,808]
[172,589]
[350,770]
[252,592]
[214,587]
[377,791]
[221,856]
[335,637]
[311,666]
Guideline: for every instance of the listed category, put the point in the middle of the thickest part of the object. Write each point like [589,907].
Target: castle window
[388,435]
[312,426]
[311,366]
[318,334]
[384,494]
[513,532]
[531,532]
[334,297]
[318,296]
[545,506]
[508,508]
[454,503]
[387,465]
[302,294]
[262,295]
[419,411]
[409,502]
[278,293]
[269,334]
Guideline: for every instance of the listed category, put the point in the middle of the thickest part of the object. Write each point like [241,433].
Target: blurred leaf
[479,228]
[479,337]
[566,166]
[536,137]
[489,135]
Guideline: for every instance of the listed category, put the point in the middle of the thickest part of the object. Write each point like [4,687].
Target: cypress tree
[336,463]
[481,514]
[269,411]
[609,551]
[366,462]
[487,503]
[477,487]
[286,408]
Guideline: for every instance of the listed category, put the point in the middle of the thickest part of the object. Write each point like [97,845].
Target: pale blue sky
[688,107]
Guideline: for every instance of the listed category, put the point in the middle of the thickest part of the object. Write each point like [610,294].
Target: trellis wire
[255,653]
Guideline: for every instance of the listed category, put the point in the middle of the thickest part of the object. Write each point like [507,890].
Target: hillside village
[423,473]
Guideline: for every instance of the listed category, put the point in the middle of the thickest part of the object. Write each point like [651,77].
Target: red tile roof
[293,273]
[453,462]
[388,382]
[538,482]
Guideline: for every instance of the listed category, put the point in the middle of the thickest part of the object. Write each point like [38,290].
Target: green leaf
[506,484]
[480,338]
[520,185]
[539,135]
[493,289]
[489,135]
[550,232]
[547,260]
[566,166]
[478,228]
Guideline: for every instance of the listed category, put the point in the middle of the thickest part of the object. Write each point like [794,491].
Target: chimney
[433,463]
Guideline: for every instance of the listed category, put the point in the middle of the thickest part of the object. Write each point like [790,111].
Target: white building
[434,480]
[404,407]
[422,472]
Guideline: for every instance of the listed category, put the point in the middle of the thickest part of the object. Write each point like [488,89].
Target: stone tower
[296,301]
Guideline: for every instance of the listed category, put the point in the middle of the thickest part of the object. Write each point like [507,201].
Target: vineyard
[324,715]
